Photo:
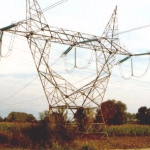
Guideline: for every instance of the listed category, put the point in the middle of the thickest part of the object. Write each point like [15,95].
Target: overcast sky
[88,16]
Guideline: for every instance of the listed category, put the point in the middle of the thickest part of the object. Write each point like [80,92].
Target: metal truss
[59,92]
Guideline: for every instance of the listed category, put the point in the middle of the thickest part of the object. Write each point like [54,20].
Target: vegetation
[20,117]
[22,130]
[143,115]
[131,118]
[52,125]
[114,112]
[84,117]
[32,135]
[1,119]
[129,130]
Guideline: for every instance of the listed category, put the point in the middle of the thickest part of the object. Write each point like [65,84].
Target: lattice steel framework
[59,92]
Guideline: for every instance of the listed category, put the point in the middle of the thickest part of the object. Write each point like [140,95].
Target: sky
[20,87]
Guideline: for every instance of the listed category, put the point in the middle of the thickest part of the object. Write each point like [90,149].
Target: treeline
[19,117]
[114,113]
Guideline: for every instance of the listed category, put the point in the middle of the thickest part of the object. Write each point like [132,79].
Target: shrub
[4,138]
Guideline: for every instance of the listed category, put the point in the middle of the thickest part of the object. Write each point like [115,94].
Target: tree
[52,124]
[58,117]
[84,117]
[79,117]
[1,119]
[108,111]
[114,112]
[131,118]
[120,113]
[20,117]
[89,113]
[143,115]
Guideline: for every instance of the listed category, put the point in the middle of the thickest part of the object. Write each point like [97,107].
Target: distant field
[129,130]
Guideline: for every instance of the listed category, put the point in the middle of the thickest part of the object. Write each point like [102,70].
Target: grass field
[120,137]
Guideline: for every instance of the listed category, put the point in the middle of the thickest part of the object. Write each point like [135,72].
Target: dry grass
[130,142]
[112,143]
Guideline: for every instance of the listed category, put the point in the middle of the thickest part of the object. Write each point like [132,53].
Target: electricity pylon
[59,92]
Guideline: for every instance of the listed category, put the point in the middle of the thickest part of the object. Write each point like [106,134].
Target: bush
[4,138]
[53,126]
[20,117]
[1,119]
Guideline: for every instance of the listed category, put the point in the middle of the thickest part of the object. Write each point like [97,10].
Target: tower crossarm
[68,37]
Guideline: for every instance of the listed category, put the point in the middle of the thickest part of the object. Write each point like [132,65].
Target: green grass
[129,130]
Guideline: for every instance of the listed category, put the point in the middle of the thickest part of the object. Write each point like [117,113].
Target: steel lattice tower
[59,92]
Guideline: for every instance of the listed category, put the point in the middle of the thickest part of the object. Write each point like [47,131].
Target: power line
[74,75]
[130,79]
[12,60]
[134,29]
[74,83]
[49,7]
[111,82]
[128,85]
[19,90]
[54,5]
[25,101]
[118,33]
